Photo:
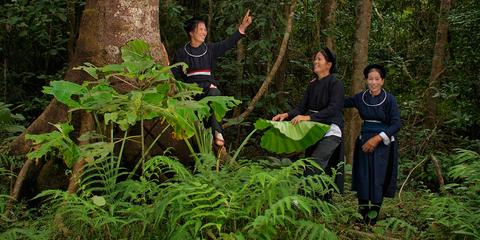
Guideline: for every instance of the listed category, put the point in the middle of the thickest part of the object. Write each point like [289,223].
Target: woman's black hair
[191,24]
[378,67]
[330,57]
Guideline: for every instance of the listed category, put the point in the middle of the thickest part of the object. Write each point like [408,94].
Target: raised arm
[220,48]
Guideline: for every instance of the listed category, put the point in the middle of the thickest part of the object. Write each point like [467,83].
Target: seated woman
[201,58]
[322,102]
[375,163]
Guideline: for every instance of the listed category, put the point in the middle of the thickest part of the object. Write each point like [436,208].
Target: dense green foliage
[257,201]
[251,197]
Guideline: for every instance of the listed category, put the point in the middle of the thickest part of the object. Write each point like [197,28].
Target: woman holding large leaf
[201,58]
[322,102]
[375,162]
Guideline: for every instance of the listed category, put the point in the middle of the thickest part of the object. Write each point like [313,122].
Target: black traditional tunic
[201,60]
[374,175]
[324,99]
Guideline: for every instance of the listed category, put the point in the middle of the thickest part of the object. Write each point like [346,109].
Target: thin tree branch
[273,71]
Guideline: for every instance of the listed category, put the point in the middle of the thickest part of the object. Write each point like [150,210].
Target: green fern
[397,225]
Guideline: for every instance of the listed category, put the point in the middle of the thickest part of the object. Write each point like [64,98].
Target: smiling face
[375,81]
[321,66]
[198,35]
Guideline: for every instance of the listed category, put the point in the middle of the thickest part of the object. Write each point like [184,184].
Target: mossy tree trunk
[360,60]
[328,23]
[430,101]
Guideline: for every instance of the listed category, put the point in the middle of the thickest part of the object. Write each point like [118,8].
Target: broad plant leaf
[136,57]
[220,104]
[92,151]
[136,50]
[57,141]
[284,137]
[64,90]
[8,120]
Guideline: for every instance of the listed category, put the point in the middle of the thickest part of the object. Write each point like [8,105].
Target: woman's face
[375,81]
[199,34]
[320,65]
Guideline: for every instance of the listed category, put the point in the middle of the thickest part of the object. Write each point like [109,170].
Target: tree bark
[328,22]
[210,17]
[360,60]
[273,71]
[105,26]
[430,102]
[87,124]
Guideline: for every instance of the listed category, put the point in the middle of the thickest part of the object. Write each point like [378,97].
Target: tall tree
[105,26]
[430,101]
[328,22]
[360,60]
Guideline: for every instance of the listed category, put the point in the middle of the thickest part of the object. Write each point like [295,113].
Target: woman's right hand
[280,117]
[246,21]
[371,144]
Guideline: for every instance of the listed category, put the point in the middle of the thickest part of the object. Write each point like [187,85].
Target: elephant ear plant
[154,95]
[284,137]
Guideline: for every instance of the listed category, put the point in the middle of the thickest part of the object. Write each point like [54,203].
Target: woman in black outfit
[323,102]
[201,58]
[375,159]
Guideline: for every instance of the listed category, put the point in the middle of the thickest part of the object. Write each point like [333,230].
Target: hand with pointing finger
[246,21]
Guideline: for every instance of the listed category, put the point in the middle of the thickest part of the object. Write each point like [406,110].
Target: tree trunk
[105,26]
[210,17]
[328,22]
[360,60]
[430,102]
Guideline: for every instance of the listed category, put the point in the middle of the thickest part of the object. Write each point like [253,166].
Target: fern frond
[312,230]
[162,164]
[395,224]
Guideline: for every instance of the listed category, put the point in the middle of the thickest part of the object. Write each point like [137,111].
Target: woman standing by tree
[201,58]
[375,159]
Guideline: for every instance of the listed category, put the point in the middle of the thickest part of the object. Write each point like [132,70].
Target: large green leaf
[64,90]
[135,50]
[57,142]
[220,104]
[284,137]
[136,56]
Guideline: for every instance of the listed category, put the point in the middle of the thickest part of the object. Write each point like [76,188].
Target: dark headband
[191,24]
[379,67]
[330,57]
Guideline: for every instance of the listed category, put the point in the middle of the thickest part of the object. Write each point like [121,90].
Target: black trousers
[322,152]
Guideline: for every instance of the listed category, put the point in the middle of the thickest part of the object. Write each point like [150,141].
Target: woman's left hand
[246,21]
[371,144]
[300,118]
